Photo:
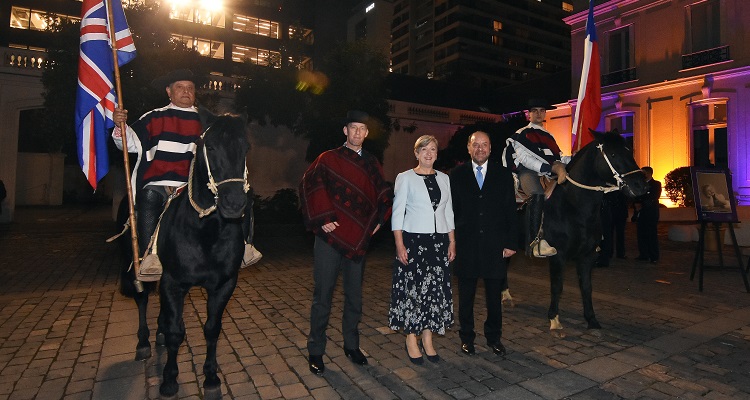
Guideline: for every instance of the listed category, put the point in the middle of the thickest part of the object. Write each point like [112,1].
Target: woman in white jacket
[422,223]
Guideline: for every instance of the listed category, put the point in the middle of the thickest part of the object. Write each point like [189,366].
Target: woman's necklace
[419,170]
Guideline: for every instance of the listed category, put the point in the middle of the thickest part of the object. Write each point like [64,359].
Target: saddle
[548,184]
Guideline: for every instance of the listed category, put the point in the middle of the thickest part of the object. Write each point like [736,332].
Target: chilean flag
[95,97]
[589,108]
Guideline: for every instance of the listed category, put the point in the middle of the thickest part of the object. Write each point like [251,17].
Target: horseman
[533,156]
[164,139]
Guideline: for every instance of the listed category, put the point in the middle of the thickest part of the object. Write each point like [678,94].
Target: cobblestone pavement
[66,333]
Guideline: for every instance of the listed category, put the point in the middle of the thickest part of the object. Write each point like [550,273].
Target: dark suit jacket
[486,220]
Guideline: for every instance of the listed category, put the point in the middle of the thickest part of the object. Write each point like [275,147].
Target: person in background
[344,201]
[647,206]
[423,228]
[484,207]
[614,217]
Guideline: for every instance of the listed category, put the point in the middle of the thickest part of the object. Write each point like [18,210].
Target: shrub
[281,208]
[679,187]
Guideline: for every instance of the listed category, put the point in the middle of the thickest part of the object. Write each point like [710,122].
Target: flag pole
[125,156]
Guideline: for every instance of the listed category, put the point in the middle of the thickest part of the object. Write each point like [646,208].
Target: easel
[700,252]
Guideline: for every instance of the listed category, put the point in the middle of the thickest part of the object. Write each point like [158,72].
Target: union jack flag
[95,98]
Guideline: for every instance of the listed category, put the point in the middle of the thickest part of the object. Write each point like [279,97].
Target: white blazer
[412,207]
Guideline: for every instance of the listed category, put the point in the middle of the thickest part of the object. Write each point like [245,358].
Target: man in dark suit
[648,219]
[484,208]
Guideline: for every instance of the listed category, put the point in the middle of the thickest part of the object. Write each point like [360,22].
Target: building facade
[480,43]
[262,32]
[675,79]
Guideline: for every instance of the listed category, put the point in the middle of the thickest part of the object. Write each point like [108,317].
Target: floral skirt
[421,297]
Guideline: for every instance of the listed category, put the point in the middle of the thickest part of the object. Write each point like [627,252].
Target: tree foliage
[456,152]
[352,76]
[678,184]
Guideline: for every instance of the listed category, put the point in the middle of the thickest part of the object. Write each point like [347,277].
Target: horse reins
[618,177]
[213,186]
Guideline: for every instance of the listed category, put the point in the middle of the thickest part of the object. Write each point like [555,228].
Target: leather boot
[538,246]
[150,204]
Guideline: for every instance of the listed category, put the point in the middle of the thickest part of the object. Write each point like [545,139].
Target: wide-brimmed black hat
[356,116]
[539,103]
[172,77]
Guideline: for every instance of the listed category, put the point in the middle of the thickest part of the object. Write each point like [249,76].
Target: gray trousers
[529,181]
[327,264]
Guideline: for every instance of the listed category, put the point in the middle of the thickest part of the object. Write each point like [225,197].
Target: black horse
[572,219]
[200,242]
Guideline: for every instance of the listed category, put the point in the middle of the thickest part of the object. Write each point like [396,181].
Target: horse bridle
[213,186]
[618,177]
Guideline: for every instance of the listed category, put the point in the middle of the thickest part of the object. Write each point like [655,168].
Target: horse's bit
[212,184]
[618,177]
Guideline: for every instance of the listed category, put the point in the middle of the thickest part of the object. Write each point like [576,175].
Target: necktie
[480,178]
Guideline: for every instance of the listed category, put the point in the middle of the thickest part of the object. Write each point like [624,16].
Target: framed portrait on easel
[713,194]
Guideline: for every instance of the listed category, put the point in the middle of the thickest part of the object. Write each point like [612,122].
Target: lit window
[36,20]
[262,27]
[206,47]
[255,56]
[201,15]
[567,7]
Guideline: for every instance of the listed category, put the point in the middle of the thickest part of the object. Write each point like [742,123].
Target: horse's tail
[127,273]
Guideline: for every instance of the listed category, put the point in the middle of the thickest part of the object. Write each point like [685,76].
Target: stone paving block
[511,392]
[602,369]
[558,384]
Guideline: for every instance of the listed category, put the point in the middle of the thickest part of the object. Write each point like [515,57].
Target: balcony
[23,61]
[624,75]
[705,57]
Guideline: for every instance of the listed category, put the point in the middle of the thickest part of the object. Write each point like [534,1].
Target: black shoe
[316,364]
[356,356]
[468,348]
[416,361]
[498,349]
[653,261]
[432,359]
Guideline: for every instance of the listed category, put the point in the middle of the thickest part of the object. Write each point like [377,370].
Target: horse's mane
[610,137]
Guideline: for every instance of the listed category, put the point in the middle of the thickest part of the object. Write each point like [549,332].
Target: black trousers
[648,242]
[493,326]
[327,265]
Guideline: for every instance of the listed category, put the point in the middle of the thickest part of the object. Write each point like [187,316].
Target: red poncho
[342,186]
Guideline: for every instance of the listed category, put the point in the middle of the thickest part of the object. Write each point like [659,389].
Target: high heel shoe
[432,359]
[416,361]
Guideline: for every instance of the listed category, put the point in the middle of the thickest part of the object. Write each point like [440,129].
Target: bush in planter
[281,208]
[678,184]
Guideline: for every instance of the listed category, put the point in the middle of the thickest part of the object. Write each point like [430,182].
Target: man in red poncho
[344,201]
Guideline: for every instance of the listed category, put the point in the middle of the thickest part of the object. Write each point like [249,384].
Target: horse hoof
[557,333]
[142,353]
[168,390]
[597,333]
[212,393]
[160,339]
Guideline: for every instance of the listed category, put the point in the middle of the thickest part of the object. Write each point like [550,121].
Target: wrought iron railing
[705,57]
[624,75]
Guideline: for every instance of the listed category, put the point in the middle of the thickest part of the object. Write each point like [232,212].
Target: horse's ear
[597,135]
[206,116]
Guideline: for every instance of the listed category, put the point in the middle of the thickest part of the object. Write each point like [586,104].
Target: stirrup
[151,269]
[251,256]
[541,249]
